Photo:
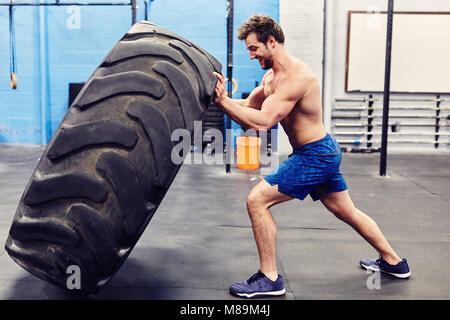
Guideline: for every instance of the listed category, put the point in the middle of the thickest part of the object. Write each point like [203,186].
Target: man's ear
[271,41]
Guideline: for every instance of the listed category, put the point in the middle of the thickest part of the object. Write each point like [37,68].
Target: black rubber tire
[108,166]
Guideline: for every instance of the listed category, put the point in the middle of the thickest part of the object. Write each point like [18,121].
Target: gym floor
[200,239]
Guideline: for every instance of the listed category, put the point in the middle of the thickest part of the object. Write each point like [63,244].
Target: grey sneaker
[258,286]
[400,270]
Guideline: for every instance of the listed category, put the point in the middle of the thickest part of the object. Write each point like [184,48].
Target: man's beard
[267,64]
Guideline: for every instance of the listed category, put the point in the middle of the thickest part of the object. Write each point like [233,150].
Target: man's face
[259,51]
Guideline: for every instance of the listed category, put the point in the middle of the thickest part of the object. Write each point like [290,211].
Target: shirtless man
[290,94]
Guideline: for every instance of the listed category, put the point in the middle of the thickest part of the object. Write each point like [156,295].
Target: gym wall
[415,120]
[303,22]
[56,46]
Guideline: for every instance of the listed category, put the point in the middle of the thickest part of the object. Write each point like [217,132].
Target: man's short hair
[263,26]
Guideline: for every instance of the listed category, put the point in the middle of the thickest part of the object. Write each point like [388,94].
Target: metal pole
[43,74]
[387,83]
[133,12]
[230,4]
[146,10]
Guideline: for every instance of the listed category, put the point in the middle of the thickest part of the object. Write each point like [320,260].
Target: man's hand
[219,92]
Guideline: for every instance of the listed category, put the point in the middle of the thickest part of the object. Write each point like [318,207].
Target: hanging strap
[12,47]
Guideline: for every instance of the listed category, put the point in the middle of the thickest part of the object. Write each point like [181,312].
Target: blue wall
[53,51]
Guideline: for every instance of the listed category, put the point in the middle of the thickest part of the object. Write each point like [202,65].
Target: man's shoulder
[304,76]
[301,71]
[266,75]
[298,83]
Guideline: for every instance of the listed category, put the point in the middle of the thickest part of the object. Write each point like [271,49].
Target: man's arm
[273,109]
[254,100]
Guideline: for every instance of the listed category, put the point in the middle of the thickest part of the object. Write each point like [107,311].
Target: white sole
[270,293]
[398,275]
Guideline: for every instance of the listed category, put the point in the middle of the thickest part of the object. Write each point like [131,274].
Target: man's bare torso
[304,123]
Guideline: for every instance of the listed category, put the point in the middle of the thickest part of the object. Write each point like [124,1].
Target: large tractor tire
[108,166]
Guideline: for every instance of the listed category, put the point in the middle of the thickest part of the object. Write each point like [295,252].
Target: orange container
[248,152]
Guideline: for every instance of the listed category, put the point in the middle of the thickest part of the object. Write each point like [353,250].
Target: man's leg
[343,208]
[260,199]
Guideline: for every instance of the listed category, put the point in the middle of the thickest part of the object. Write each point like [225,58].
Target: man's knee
[263,196]
[253,200]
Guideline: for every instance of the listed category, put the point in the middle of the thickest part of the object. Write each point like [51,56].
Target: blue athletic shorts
[311,169]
